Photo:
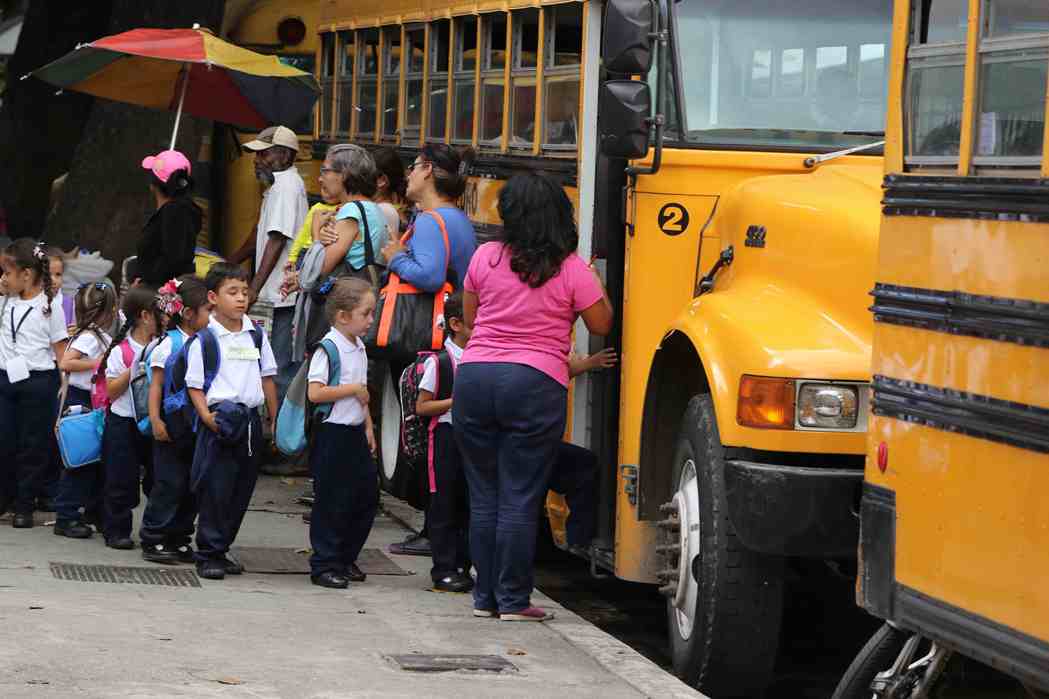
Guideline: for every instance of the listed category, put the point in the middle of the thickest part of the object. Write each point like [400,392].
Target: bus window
[1013,17]
[344,80]
[943,21]
[437,112]
[523,94]
[413,84]
[391,82]
[492,80]
[367,82]
[792,73]
[935,82]
[465,63]
[872,71]
[760,84]
[565,25]
[563,48]
[327,83]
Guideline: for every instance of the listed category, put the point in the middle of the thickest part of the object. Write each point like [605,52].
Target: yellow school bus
[954,543]
[725,160]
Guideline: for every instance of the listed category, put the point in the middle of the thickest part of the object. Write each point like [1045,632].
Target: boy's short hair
[453,307]
[224,271]
[345,295]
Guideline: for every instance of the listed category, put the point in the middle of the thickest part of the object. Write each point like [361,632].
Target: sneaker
[529,614]
[211,569]
[123,543]
[74,530]
[159,553]
[486,613]
[414,545]
[453,583]
[232,566]
[184,553]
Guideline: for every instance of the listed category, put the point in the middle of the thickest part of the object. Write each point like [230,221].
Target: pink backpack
[99,395]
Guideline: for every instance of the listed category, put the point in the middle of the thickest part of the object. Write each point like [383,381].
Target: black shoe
[184,554]
[123,543]
[232,567]
[45,505]
[415,545]
[307,517]
[454,583]
[74,530]
[211,569]
[330,579]
[355,574]
[159,553]
[21,520]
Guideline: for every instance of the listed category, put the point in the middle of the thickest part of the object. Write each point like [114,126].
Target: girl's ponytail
[43,268]
[137,300]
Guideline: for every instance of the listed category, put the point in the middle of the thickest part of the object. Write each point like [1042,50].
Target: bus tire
[386,415]
[878,655]
[724,602]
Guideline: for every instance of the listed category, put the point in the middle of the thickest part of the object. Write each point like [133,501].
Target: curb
[612,654]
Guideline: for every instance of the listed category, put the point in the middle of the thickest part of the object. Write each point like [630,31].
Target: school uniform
[82,487]
[448,513]
[29,383]
[172,507]
[345,476]
[125,451]
[226,466]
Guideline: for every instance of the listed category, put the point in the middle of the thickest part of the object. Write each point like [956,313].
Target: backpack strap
[334,361]
[209,350]
[445,375]
[126,353]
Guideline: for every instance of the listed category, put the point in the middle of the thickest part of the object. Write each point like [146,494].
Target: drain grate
[450,663]
[174,577]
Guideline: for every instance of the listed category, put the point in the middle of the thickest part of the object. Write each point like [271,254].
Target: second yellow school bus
[738,249]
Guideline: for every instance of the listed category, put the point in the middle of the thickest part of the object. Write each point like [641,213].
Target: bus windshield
[781,74]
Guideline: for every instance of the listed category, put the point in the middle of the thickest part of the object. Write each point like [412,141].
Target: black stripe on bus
[1016,424]
[1000,199]
[1019,321]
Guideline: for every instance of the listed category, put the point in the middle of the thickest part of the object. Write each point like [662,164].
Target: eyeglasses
[325,170]
[408,170]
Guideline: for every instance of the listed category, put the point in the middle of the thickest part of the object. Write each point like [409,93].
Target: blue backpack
[146,379]
[294,418]
[179,414]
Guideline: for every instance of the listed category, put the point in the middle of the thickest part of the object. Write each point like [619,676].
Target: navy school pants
[172,507]
[125,453]
[449,508]
[509,419]
[223,480]
[27,419]
[80,487]
[574,476]
[345,496]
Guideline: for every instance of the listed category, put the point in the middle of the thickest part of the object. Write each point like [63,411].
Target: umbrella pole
[181,99]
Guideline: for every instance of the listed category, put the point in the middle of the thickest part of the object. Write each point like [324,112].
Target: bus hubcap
[680,547]
[391,427]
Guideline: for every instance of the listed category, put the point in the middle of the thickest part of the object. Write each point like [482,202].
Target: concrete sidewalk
[278,636]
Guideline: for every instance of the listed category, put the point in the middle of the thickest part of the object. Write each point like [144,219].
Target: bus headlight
[829,406]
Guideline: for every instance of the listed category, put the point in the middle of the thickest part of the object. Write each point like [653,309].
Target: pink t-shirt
[521,325]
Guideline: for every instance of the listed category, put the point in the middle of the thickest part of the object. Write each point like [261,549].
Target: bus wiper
[815,160]
[864,133]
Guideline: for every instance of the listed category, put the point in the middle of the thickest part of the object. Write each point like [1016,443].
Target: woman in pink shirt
[521,298]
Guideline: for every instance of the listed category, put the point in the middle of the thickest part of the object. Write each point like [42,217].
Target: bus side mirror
[627,44]
[625,108]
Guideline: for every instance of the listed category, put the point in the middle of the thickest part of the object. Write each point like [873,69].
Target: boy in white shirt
[345,476]
[227,398]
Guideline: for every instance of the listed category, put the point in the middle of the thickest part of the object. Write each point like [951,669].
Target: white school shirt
[284,208]
[115,366]
[87,343]
[159,357]
[35,334]
[429,380]
[353,368]
[238,380]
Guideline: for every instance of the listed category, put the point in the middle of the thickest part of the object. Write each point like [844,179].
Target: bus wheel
[389,429]
[894,664]
[724,602]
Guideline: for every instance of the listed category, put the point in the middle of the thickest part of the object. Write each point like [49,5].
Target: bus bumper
[793,510]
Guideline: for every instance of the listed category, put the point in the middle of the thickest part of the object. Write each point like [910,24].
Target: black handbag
[409,320]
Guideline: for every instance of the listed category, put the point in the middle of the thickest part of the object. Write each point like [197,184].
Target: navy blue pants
[509,419]
[345,496]
[223,480]
[448,514]
[80,487]
[573,476]
[172,507]
[125,453]
[27,420]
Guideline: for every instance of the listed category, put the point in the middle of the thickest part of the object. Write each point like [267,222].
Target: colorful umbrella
[187,69]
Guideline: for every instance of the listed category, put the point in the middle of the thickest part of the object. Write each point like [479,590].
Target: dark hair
[538,227]
[345,295]
[453,308]
[194,294]
[94,303]
[179,184]
[224,271]
[391,165]
[27,253]
[450,168]
[137,300]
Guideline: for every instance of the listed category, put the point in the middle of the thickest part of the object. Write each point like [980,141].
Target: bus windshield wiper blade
[815,160]
[864,133]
